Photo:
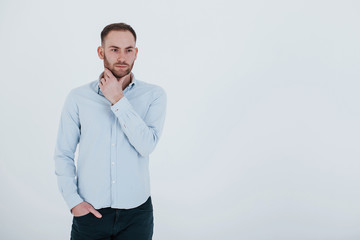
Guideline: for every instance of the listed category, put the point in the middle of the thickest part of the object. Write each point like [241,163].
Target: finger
[106,77]
[102,81]
[96,213]
[109,73]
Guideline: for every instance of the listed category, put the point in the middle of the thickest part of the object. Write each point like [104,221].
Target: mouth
[121,66]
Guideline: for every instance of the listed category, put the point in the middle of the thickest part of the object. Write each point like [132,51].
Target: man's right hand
[84,208]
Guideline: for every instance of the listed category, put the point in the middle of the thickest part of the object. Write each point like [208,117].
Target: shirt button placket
[113,161]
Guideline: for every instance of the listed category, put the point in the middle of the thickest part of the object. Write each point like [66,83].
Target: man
[117,121]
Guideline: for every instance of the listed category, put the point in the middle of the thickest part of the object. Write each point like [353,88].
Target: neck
[127,81]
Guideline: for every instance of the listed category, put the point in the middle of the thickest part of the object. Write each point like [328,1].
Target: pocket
[83,216]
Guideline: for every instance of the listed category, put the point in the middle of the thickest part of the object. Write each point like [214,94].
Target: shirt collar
[129,87]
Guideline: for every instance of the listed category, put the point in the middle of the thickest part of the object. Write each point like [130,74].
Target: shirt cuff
[120,106]
[73,200]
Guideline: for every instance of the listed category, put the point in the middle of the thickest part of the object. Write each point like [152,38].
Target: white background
[262,134]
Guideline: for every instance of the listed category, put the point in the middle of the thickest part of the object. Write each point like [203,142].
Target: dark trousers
[121,224]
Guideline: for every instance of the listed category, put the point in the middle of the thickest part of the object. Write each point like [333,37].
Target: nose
[121,57]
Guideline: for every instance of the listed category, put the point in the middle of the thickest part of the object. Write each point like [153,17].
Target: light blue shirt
[112,168]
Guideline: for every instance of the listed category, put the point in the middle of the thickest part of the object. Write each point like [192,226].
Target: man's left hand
[111,87]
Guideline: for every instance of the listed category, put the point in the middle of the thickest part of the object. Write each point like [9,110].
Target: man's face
[118,52]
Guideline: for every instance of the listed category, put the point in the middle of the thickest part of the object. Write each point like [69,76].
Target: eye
[114,50]
[129,50]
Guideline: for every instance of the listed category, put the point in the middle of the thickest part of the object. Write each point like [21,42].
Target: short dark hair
[116,27]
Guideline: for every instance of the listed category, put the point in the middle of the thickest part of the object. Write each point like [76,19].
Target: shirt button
[113,182]
[116,110]
[112,163]
[113,144]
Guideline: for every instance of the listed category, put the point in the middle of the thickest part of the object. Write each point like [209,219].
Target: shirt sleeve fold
[67,141]
[143,134]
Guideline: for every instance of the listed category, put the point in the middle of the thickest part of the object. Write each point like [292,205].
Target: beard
[120,72]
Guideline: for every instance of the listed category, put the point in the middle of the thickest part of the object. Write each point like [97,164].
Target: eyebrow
[118,47]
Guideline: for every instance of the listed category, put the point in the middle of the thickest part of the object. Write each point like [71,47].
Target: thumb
[96,213]
[121,80]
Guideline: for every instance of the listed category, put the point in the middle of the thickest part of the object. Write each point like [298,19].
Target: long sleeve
[67,140]
[143,134]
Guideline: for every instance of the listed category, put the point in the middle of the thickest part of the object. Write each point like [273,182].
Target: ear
[136,52]
[100,51]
